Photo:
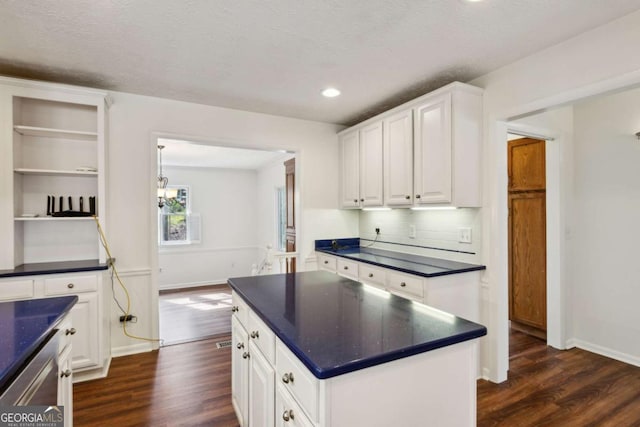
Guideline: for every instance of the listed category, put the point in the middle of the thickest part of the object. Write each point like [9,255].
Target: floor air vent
[223,344]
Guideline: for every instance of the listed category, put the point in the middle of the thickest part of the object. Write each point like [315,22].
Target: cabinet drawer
[240,309]
[70,285]
[16,289]
[262,336]
[405,285]
[348,269]
[372,275]
[326,262]
[296,378]
[288,412]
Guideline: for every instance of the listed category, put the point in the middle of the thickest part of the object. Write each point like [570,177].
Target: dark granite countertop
[406,263]
[24,326]
[335,325]
[34,269]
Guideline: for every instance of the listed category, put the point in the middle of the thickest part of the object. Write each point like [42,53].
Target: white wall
[224,199]
[434,229]
[134,123]
[604,257]
[596,61]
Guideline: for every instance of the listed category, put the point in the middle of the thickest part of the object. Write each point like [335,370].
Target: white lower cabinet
[90,353]
[240,371]
[65,370]
[261,387]
[458,294]
[288,412]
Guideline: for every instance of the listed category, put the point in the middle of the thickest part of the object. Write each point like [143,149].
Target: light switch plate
[464,234]
[412,231]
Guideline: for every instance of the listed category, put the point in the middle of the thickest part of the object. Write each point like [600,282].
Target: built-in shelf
[56,133]
[54,218]
[51,172]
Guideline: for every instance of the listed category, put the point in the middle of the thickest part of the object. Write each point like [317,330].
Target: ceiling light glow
[331,92]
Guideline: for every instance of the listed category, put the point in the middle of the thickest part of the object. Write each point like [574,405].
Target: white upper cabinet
[371,165]
[398,159]
[432,151]
[350,169]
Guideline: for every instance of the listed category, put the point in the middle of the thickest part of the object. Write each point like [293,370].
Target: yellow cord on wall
[105,245]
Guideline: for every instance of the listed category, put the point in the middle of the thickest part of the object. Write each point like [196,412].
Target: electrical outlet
[464,234]
[412,231]
[377,230]
[129,318]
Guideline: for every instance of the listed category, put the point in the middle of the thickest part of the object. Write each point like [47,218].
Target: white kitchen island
[316,349]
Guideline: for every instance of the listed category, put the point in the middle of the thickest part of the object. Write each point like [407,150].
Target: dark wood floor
[194,314]
[181,385]
[548,387]
[190,385]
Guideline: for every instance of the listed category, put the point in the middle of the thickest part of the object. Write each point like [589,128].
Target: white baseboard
[604,351]
[193,284]
[92,374]
[131,349]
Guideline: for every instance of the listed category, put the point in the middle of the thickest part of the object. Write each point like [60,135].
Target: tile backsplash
[436,232]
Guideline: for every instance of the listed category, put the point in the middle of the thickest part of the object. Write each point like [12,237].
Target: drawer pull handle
[70,285]
[407,197]
[417,196]
[287,378]
[287,415]
[65,374]
[71,331]
[326,262]
[255,334]
[234,309]
[362,200]
[240,346]
[346,268]
[403,284]
[245,355]
[370,274]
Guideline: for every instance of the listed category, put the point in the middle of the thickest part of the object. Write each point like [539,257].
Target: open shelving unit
[54,138]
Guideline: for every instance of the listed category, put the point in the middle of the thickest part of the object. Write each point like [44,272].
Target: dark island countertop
[406,263]
[36,268]
[335,325]
[24,326]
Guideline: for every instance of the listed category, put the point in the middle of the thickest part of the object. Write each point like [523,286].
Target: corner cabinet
[431,152]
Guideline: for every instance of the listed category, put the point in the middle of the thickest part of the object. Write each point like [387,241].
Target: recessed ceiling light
[331,92]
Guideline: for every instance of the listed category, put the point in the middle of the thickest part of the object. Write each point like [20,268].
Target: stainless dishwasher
[37,381]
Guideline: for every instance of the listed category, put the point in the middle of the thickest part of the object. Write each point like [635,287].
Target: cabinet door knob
[65,374]
[287,415]
[287,378]
[362,200]
[403,284]
[245,355]
[407,197]
[417,196]
[355,200]
[70,285]
[234,309]
[326,262]
[70,331]
[240,346]
[255,334]
[370,274]
[346,268]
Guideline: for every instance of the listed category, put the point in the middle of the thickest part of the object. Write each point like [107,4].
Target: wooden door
[527,234]
[290,190]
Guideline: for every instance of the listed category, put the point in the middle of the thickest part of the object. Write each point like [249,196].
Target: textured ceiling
[275,56]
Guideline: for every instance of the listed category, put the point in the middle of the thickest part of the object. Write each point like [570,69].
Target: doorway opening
[220,220]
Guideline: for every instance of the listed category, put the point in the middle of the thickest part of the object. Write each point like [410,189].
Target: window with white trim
[177,225]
